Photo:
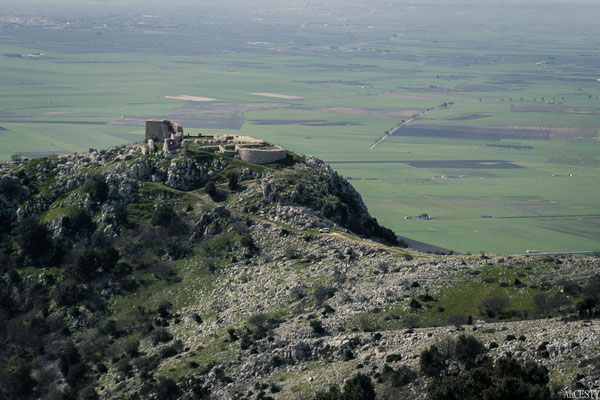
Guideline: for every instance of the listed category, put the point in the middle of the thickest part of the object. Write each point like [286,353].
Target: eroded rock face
[314,196]
[123,170]
[210,223]
[186,175]
[12,193]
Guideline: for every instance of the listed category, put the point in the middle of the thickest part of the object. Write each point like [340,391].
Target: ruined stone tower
[161,129]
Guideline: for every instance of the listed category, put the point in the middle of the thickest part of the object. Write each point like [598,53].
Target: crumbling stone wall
[170,144]
[161,129]
[259,156]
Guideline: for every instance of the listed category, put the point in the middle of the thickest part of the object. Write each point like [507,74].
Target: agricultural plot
[502,151]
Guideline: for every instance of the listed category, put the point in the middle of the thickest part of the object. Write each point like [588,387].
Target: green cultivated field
[485,93]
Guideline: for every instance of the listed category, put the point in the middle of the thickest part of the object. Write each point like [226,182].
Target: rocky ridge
[220,268]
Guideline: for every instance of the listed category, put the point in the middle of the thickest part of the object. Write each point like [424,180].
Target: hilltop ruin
[247,148]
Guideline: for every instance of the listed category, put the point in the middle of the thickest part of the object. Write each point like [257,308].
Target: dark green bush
[160,335]
[68,357]
[398,378]
[88,393]
[76,374]
[33,239]
[347,355]
[123,366]
[89,260]
[163,309]
[462,353]
[232,335]
[197,318]
[78,222]
[322,293]
[121,217]
[132,348]
[588,307]
[232,181]
[393,357]
[96,187]
[69,292]
[211,188]
[163,215]
[466,350]
[494,306]
[359,387]
[17,381]
[277,361]
[507,379]
[248,242]
[317,327]
[415,305]
[214,192]
[111,328]
[166,389]
[101,368]
[168,351]
[458,320]
[432,362]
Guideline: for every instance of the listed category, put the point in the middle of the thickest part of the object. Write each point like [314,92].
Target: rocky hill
[195,275]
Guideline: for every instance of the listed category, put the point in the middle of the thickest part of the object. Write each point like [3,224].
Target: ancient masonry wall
[161,129]
[258,156]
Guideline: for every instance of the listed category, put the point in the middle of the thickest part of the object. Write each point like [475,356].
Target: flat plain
[502,154]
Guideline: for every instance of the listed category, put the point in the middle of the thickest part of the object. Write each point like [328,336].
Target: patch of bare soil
[336,82]
[574,134]
[33,121]
[131,121]
[301,122]
[381,112]
[276,95]
[189,98]
[35,85]
[477,132]
[498,132]
[469,116]
[27,115]
[404,96]
[207,115]
[434,164]
[557,109]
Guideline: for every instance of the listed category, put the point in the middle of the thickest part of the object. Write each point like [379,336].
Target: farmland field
[502,154]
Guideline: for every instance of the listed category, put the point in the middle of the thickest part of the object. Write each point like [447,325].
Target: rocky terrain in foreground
[195,275]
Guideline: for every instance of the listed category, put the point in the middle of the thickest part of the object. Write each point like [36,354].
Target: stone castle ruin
[246,148]
[261,156]
[161,129]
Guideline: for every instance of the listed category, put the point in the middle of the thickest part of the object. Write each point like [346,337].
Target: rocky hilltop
[191,274]
[303,192]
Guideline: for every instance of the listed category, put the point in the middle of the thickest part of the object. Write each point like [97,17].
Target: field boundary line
[390,133]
